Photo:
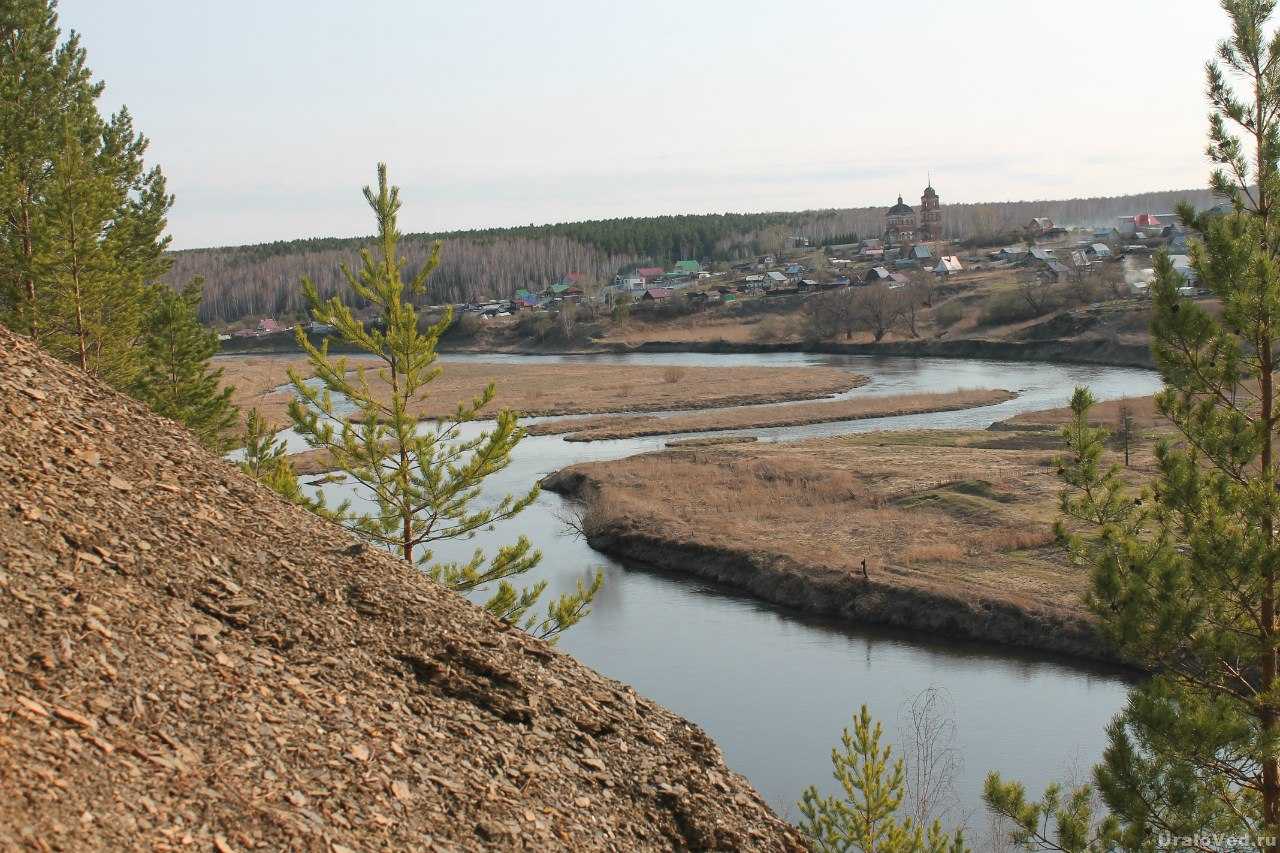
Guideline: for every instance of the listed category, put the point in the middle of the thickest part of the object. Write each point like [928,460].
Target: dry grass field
[565,388]
[964,514]
[762,417]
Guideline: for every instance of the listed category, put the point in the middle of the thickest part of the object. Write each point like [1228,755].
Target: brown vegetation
[188,662]
[1107,414]
[955,528]
[565,388]
[793,414]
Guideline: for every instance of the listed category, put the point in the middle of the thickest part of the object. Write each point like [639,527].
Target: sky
[268,117]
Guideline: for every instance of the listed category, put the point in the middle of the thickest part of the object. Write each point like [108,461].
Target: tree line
[259,280]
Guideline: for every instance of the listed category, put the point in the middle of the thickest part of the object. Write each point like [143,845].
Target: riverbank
[766,417]
[955,529]
[1100,351]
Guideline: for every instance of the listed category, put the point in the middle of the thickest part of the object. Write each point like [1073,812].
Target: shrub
[948,314]
[672,375]
[465,326]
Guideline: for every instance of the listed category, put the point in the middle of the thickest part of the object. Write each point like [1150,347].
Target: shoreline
[846,597]
[645,428]
[1098,352]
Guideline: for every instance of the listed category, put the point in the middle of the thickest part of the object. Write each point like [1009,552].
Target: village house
[1040,226]
[948,265]
[1055,271]
[1037,256]
[687,268]
[1097,251]
[656,294]
[1010,253]
[650,274]
[774,279]
[876,274]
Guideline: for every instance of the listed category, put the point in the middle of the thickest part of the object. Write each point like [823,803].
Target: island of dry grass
[955,529]
[764,417]
[562,388]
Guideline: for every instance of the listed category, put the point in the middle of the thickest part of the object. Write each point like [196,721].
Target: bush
[771,329]
[464,327]
[672,375]
[948,314]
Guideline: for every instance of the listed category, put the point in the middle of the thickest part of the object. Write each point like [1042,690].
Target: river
[774,688]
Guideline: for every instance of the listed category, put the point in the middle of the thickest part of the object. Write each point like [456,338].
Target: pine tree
[266,459]
[1185,570]
[177,380]
[424,483]
[83,220]
[43,85]
[866,818]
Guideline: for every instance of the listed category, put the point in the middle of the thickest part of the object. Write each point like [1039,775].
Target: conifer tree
[866,818]
[1186,570]
[425,483]
[81,219]
[177,380]
[266,459]
[43,85]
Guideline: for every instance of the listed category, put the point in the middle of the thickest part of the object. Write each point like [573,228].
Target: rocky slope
[187,662]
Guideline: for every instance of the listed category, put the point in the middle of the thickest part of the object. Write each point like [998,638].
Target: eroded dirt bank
[954,553]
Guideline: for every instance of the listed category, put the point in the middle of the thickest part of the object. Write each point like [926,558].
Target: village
[911,249]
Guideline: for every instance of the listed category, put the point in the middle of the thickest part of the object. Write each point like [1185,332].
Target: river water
[774,688]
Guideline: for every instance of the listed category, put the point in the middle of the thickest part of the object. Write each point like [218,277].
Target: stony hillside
[186,662]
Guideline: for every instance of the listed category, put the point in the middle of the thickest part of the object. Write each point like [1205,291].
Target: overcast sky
[268,117]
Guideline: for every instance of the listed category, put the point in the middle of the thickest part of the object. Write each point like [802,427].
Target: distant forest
[247,282]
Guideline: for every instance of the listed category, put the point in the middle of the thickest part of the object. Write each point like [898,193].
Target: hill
[262,280]
[187,661]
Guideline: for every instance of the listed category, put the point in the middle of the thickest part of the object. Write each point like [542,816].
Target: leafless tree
[878,309]
[933,761]
[1036,293]
[912,300]
[567,318]
[832,313]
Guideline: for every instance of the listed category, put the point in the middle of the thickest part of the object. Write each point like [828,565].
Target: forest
[248,282]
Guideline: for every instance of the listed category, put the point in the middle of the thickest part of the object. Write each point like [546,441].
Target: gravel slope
[187,662]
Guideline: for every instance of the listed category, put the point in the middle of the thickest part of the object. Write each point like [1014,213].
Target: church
[902,227]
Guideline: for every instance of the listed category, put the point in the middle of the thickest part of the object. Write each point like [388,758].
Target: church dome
[900,209]
[930,192]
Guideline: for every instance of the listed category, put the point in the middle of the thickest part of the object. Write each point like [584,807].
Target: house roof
[950,263]
[1100,248]
[878,272]
[775,276]
[900,209]
[1146,220]
[688,266]
[658,292]
[650,272]
[793,268]
[921,251]
[1060,269]
[1042,222]
[1041,254]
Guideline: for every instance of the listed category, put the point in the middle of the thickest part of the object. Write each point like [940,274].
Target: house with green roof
[688,267]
